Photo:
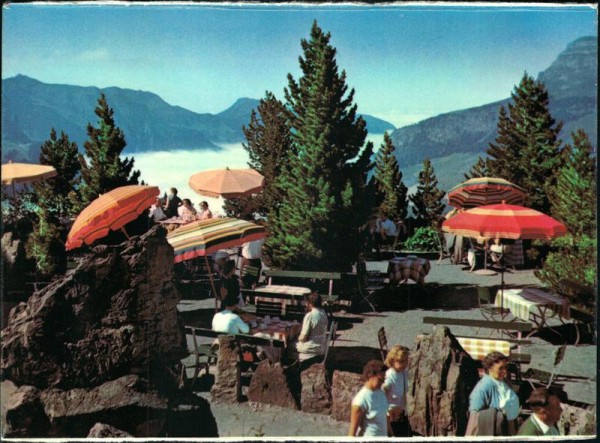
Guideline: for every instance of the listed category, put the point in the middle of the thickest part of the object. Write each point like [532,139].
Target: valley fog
[167,169]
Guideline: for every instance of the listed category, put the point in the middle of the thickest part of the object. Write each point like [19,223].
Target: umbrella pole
[212,283]
[125,232]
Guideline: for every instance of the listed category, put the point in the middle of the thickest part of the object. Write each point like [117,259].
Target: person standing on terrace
[173,203]
[368,416]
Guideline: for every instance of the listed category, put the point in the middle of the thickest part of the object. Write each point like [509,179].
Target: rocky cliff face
[571,81]
[100,344]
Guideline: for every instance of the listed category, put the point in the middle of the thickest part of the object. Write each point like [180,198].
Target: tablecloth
[298,294]
[526,301]
[478,348]
[402,268]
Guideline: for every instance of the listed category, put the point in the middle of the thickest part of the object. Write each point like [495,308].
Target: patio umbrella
[227,183]
[203,237]
[504,221]
[485,191]
[25,173]
[110,211]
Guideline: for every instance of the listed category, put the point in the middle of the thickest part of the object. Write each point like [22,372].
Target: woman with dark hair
[368,416]
[493,405]
[230,283]
[313,337]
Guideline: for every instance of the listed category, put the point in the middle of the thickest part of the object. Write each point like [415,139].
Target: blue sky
[405,63]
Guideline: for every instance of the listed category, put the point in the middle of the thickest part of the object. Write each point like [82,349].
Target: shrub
[424,239]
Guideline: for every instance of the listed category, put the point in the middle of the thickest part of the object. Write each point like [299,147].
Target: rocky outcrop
[14,263]
[442,376]
[344,387]
[100,321]
[316,394]
[227,387]
[101,430]
[577,421]
[269,384]
[100,345]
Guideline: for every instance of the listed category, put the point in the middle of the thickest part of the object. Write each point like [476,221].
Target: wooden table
[400,269]
[290,295]
[533,304]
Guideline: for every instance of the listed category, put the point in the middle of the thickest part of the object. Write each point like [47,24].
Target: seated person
[312,342]
[230,283]
[228,321]
[205,213]
[157,210]
[386,232]
[186,211]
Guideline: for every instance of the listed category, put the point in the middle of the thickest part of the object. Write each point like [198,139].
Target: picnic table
[533,304]
[292,295]
[400,269]
[276,329]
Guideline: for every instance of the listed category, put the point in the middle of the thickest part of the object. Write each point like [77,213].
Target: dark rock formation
[227,387]
[101,345]
[577,421]
[269,384]
[344,387]
[316,394]
[101,430]
[14,264]
[442,376]
[115,314]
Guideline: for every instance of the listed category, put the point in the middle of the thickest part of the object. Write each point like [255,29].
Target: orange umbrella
[227,183]
[110,211]
[25,172]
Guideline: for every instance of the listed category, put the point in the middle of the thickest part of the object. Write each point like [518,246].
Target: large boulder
[269,384]
[345,385]
[442,375]
[316,389]
[227,387]
[577,421]
[115,314]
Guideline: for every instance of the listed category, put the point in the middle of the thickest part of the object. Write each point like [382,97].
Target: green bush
[572,258]
[423,240]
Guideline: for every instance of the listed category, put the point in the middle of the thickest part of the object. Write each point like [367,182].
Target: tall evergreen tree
[324,183]
[268,142]
[46,242]
[427,201]
[479,169]
[389,181]
[106,170]
[526,151]
[573,196]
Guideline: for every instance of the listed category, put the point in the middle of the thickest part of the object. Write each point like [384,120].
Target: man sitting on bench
[227,321]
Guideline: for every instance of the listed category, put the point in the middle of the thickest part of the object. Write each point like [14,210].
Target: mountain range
[31,108]
[453,140]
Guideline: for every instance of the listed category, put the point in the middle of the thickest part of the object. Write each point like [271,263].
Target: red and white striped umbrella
[482,191]
[504,221]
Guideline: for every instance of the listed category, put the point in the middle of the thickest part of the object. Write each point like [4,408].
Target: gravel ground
[449,291]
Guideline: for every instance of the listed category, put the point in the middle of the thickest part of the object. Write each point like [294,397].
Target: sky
[406,63]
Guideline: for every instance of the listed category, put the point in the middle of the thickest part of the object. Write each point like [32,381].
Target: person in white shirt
[157,211]
[368,416]
[312,341]
[546,408]
[385,233]
[227,321]
[251,257]
[396,388]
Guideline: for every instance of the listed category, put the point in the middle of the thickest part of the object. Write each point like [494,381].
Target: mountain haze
[571,81]
[31,108]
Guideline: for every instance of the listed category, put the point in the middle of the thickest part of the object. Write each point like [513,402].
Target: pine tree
[106,170]
[268,142]
[53,193]
[46,242]
[479,169]
[573,196]
[323,185]
[389,181]
[526,151]
[427,201]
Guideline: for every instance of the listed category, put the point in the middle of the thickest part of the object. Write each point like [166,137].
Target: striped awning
[504,221]
[203,237]
[482,191]
[109,212]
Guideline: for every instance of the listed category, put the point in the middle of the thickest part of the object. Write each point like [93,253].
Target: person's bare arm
[356,415]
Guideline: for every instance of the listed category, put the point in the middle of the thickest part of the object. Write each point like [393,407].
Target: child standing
[395,387]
